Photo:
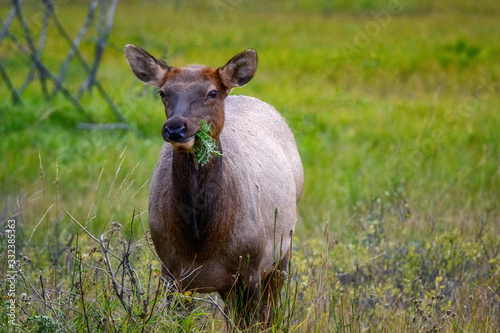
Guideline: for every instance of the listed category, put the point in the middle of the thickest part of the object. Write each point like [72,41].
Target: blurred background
[394,105]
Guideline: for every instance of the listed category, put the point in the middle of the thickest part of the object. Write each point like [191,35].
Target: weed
[206,146]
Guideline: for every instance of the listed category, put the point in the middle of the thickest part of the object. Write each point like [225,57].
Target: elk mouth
[184,145]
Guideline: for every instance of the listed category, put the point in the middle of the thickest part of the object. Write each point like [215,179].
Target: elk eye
[161,93]
[212,94]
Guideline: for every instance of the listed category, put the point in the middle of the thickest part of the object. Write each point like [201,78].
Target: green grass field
[395,107]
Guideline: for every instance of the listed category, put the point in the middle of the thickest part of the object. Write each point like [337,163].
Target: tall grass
[111,282]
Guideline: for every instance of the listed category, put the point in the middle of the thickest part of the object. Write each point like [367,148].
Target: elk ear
[239,70]
[146,67]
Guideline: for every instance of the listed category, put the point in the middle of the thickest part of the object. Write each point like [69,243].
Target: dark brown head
[191,94]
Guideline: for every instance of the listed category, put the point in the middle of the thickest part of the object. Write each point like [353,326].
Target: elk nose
[174,130]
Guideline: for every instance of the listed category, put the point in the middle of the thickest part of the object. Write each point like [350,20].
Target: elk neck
[201,195]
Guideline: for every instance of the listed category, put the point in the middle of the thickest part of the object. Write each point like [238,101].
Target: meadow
[395,108]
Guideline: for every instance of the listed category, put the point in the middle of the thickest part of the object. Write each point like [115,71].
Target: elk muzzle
[179,133]
[174,130]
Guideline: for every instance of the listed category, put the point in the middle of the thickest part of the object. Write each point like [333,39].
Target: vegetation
[394,106]
[206,146]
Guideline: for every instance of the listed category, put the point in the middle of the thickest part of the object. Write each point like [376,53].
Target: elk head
[191,94]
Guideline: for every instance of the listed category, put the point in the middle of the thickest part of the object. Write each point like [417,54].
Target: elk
[215,227]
